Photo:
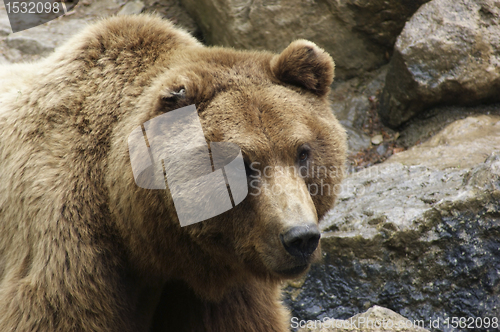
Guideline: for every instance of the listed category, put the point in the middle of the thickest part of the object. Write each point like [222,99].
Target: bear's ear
[173,94]
[306,65]
[172,98]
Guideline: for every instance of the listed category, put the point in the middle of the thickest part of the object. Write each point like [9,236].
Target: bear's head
[275,109]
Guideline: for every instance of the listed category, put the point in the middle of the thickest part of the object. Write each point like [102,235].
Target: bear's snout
[301,241]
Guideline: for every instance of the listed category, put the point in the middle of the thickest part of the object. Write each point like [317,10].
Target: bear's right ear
[173,94]
[306,65]
[172,98]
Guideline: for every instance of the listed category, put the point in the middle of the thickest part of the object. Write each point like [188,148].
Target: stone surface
[351,103]
[420,129]
[43,39]
[377,139]
[29,45]
[464,143]
[357,140]
[4,22]
[375,319]
[175,12]
[358,33]
[448,53]
[421,239]
[132,8]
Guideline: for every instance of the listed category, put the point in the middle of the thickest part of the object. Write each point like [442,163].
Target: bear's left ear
[306,65]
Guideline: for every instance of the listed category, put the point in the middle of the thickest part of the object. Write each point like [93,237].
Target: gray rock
[29,45]
[420,129]
[4,23]
[382,149]
[352,110]
[464,144]
[421,238]
[97,9]
[358,34]
[356,139]
[448,53]
[131,8]
[42,39]
[175,12]
[350,102]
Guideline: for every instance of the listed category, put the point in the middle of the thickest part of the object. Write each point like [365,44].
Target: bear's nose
[301,241]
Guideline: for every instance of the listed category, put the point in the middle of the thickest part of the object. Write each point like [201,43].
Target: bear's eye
[303,153]
[303,156]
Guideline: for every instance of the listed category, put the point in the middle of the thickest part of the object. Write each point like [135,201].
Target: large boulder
[448,53]
[358,34]
[420,129]
[463,144]
[418,236]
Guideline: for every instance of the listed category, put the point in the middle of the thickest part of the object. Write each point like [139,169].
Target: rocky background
[416,231]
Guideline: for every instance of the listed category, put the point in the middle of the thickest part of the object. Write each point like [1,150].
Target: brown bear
[84,248]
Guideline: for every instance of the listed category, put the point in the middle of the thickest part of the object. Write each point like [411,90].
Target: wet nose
[301,241]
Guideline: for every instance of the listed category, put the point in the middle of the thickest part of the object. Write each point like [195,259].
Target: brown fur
[83,248]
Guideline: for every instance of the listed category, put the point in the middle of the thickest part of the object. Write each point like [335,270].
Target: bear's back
[56,119]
